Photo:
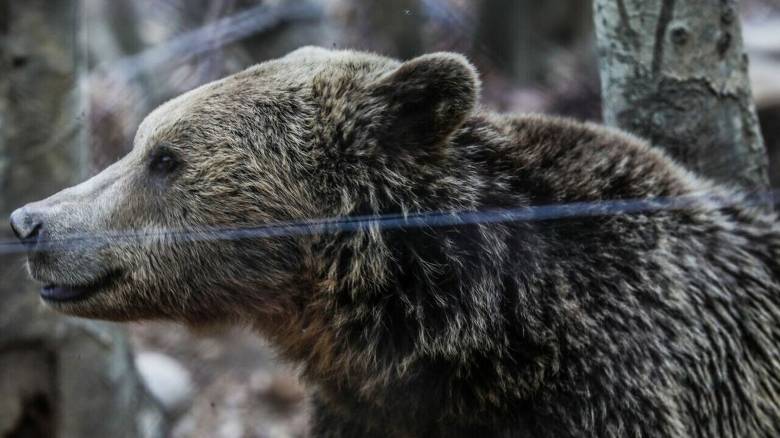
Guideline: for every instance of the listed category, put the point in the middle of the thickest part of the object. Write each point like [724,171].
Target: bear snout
[27,225]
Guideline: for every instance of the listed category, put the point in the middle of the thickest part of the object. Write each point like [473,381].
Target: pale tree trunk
[675,73]
[59,377]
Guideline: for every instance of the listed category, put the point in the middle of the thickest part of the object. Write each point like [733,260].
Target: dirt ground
[239,389]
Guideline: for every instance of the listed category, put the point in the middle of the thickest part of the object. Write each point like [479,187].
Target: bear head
[213,214]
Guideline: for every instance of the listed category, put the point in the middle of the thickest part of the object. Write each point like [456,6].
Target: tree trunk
[59,377]
[675,73]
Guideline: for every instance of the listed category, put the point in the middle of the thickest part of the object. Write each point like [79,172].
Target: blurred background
[78,77]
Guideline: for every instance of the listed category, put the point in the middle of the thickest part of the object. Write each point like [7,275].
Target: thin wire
[391,222]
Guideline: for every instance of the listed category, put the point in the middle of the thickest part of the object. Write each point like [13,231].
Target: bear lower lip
[62,293]
[66,293]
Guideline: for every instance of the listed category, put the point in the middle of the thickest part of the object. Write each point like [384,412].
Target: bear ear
[424,100]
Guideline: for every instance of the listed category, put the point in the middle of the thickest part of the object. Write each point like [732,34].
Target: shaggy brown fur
[511,276]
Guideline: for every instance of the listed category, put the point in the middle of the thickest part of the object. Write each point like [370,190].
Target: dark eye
[163,162]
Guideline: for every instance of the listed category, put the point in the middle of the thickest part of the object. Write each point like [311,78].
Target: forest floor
[239,389]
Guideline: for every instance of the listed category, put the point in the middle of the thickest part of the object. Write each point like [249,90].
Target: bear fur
[436,270]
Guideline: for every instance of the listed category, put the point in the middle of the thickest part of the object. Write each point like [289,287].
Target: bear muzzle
[70,293]
[65,265]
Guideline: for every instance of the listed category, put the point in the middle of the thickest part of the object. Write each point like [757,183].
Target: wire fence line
[435,219]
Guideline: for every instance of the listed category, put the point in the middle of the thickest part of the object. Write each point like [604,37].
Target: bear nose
[26,226]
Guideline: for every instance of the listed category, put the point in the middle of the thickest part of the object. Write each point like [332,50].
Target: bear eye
[163,162]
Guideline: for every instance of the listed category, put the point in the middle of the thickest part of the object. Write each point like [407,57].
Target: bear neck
[391,305]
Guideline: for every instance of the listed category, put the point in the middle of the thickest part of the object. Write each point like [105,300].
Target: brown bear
[437,270]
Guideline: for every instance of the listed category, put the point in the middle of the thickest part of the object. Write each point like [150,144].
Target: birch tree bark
[59,377]
[675,73]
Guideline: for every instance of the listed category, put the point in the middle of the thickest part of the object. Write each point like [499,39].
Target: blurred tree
[519,36]
[59,377]
[391,28]
[676,74]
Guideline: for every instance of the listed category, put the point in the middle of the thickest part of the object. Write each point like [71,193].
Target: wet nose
[26,225]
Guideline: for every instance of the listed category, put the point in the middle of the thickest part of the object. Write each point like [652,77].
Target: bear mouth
[64,293]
